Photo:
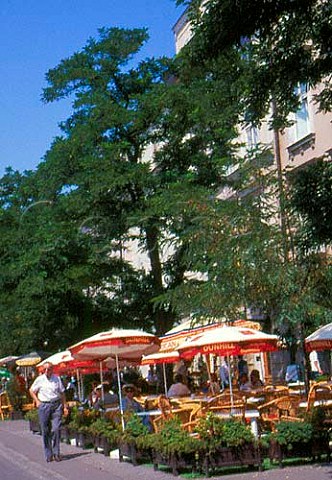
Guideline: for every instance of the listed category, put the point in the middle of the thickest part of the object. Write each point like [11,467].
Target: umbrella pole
[120,392]
[78,383]
[101,379]
[165,380]
[207,361]
[230,382]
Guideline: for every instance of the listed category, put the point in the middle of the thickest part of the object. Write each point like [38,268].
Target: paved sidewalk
[24,451]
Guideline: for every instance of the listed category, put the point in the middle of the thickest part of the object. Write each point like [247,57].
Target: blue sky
[35,36]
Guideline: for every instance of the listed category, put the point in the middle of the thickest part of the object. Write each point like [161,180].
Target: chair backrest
[4,400]
[319,395]
[165,406]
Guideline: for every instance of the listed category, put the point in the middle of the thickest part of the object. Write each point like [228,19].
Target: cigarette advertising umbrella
[321,339]
[64,363]
[161,358]
[186,330]
[119,344]
[226,341]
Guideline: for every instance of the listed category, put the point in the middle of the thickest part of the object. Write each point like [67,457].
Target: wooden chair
[276,410]
[5,406]
[320,395]
[237,408]
[165,406]
[271,392]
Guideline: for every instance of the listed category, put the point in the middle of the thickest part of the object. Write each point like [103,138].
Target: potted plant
[79,424]
[105,434]
[290,439]
[227,442]
[32,417]
[307,438]
[133,441]
[175,447]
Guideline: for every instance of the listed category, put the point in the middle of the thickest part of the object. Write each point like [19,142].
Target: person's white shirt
[48,389]
[178,390]
[314,362]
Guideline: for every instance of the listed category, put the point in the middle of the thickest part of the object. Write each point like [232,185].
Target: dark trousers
[50,415]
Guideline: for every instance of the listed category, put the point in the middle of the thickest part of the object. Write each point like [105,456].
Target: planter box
[34,426]
[311,450]
[245,455]
[16,415]
[67,434]
[134,454]
[84,440]
[176,461]
[100,442]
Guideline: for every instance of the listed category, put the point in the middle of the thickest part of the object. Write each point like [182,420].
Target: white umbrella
[321,339]
[120,344]
[161,358]
[228,340]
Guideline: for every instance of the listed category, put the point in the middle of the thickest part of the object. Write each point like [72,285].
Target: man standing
[47,391]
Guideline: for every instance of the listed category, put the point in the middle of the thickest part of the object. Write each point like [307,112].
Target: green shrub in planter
[32,415]
[81,420]
[135,432]
[103,427]
[289,434]
[173,439]
[216,432]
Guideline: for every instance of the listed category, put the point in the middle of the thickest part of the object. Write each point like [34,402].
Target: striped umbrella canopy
[321,339]
[228,340]
[118,343]
[161,358]
[64,362]
[186,330]
[126,344]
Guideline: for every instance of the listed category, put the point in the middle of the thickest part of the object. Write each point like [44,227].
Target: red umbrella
[161,358]
[226,341]
[321,339]
[119,344]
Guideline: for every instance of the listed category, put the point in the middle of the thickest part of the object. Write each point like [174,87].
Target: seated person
[129,404]
[244,384]
[109,399]
[128,401]
[255,381]
[178,388]
[292,373]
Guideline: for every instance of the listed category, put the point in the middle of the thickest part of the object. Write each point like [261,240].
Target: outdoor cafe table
[252,415]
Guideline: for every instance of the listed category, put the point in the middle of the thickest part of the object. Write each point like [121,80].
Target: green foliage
[109,429]
[290,433]
[173,439]
[216,432]
[311,195]
[290,45]
[135,431]
[82,419]
[32,415]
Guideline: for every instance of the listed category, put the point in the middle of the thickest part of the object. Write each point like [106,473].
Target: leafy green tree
[311,196]
[291,45]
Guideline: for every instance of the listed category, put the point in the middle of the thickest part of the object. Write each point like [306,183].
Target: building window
[252,137]
[302,124]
